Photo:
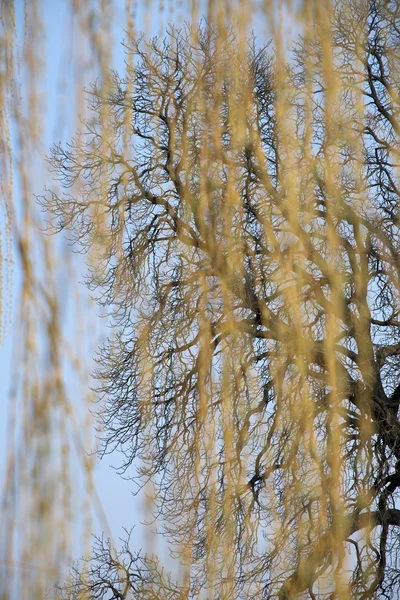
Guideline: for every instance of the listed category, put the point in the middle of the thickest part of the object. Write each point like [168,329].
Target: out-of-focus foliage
[238,203]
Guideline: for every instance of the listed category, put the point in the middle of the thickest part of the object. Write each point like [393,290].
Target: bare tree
[118,575]
[242,216]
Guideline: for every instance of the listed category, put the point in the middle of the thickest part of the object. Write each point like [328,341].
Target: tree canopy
[240,210]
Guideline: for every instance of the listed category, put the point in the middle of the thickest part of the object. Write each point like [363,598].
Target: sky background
[59,123]
[59,89]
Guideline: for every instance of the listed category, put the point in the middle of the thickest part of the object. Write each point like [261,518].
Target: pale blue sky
[59,86]
[121,508]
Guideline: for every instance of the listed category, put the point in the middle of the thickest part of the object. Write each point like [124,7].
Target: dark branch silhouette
[248,248]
